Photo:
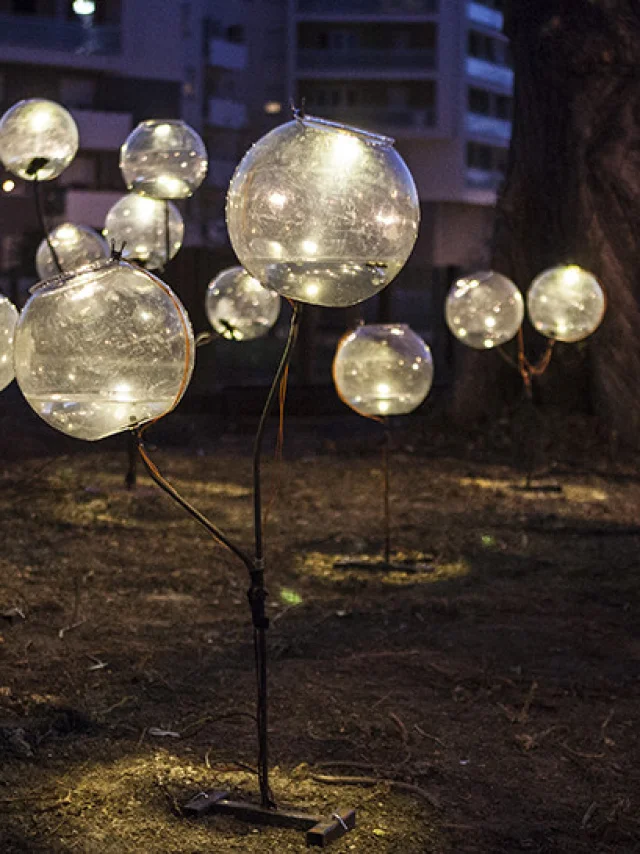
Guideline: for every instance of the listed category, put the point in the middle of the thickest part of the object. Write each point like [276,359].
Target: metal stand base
[320,830]
[376,564]
[542,488]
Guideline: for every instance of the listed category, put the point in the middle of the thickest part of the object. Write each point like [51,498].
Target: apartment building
[433,74]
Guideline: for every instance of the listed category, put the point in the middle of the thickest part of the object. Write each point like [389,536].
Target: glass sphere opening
[238,307]
[323,213]
[38,139]
[484,310]
[139,224]
[103,349]
[74,245]
[566,303]
[383,369]
[164,159]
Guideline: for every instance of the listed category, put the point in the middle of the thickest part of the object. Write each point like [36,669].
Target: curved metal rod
[43,224]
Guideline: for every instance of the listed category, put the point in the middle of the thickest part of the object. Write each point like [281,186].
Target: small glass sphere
[38,139]
[484,310]
[238,307]
[163,159]
[103,349]
[74,245]
[140,223]
[8,320]
[323,213]
[383,369]
[566,303]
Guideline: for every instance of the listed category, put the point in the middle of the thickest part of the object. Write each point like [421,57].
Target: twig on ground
[398,785]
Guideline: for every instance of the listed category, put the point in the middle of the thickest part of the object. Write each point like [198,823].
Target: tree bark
[572,194]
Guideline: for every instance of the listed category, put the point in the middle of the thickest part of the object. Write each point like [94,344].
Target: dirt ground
[489,698]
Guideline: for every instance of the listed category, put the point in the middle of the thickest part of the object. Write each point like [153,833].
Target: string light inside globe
[103,349]
[38,139]
[164,159]
[323,213]
[566,303]
[139,224]
[8,320]
[484,310]
[239,307]
[383,369]
[74,245]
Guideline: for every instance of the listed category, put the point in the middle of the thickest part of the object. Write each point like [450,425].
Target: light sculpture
[238,307]
[74,246]
[149,230]
[566,303]
[164,159]
[323,213]
[484,310]
[383,369]
[8,320]
[103,349]
[38,139]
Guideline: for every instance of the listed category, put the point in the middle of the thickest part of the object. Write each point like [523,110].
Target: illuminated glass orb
[323,213]
[8,320]
[566,303]
[163,159]
[74,245]
[38,139]
[238,307]
[383,369]
[140,223]
[484,310]
[103,349]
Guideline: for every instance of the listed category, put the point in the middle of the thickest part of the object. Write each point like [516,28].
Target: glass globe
[140,223]
[38,139]
[566,303]
[323,213]
[484,310]
[238,307]
[163,159]
[383,369]
[74,245]
[103,349]
[8,320]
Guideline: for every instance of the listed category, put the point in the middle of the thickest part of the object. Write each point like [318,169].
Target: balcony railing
[358,59]
[367,7]
[57,35]
[488,126]
[390,119]
[226,54]
[490,72]
[484,179]
[483,15]
[225,113]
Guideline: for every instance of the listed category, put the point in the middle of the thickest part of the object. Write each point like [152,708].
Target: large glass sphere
[103,349]
[566,303]
[38,139]
[323,213]
[238,307]
[484,310]
[140,223]
[163,159]
[74,245]
[383,369]
[8,320]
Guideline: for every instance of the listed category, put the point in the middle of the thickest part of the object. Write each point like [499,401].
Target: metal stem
[385,468]
[167,240]
[43,224]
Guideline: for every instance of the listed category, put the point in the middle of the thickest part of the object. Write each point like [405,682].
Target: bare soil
[489,698]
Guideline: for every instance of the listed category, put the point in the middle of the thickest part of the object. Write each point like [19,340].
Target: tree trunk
[572,193]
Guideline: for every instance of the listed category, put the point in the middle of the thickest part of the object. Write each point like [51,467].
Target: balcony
[225,113]
[358,60]
[484,179]
[488,72]
[220,173]
[101,131]
[374,8]
[488,127]
[52,34]
[89,207]
[484,16]
[400,121]
[227,55]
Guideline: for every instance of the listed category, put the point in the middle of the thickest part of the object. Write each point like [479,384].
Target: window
[235,34]
[25,7]
[484,47]
[479,101]
[503,107]
[486,157]
[77,91]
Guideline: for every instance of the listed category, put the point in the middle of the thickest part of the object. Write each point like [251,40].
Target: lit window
[273,107]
